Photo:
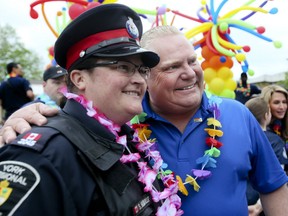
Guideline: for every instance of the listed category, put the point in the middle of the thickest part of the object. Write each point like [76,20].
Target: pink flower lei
[171,202]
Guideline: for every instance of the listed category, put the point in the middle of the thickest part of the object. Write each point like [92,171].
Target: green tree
[12,49]
[284,83]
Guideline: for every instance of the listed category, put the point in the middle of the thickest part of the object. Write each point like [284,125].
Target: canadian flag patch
[30,139]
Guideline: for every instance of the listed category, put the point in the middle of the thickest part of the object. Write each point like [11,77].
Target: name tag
[141,205]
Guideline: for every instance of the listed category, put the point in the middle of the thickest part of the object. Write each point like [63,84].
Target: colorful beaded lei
[245,91]
[277,127]
[207,160]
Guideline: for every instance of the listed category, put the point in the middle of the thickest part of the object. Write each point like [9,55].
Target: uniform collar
[76,110]
[105,152]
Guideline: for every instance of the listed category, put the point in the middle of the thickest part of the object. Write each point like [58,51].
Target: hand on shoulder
[21,121]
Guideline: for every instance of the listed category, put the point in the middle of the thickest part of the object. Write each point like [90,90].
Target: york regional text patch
[17,181]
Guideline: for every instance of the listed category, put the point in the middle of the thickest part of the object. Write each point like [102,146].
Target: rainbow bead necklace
[208,159]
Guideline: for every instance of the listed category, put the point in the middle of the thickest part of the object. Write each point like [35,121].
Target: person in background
[261,110]
[54,78]
[210,149]
[245,90]
[277,98]
[15,91]
[85,161]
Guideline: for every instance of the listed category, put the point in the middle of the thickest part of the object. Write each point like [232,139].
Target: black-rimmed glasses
[125,67]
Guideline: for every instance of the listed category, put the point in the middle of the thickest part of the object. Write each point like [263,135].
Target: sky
[263,59]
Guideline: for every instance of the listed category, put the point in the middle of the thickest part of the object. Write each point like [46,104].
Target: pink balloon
[260,29]
[75,10]
[92,5]
[33,13]
[246,48]
[51,51]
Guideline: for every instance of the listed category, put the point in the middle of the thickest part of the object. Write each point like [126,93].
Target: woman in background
[277,96]
[261,110]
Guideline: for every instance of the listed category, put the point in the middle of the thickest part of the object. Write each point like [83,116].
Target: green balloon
[277,44]
[251,72]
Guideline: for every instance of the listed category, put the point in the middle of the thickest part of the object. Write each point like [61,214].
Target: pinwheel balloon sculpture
[218,48]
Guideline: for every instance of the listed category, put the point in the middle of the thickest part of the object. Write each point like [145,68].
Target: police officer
[71,166]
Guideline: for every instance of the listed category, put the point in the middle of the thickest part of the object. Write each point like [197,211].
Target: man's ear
[44,83]
[78,79]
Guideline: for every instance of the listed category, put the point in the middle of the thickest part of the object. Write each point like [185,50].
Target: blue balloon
[223,59]
[273,11]
[53,62]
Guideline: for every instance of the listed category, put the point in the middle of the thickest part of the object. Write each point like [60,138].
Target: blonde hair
[258,107]
[158,32]
[267,93]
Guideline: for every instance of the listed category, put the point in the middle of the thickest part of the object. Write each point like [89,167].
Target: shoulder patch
[17,181]
[35,138]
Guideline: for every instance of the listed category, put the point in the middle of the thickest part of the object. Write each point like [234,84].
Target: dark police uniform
[43,173]
[13,94]
[71,166]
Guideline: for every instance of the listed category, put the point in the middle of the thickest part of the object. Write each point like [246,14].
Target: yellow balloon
[109,1]
[230,84]
[224,73]
[203,2]
[216,85]
[240,57]
[199,29]
[209,74]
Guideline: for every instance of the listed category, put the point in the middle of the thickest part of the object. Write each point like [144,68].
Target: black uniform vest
[118,191]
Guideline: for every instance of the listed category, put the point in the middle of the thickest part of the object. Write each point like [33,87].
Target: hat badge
[82,54]
[132,28]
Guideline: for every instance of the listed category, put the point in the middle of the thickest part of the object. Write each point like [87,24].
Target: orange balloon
[204,65]
[215,62]
[206,53]
[228,63]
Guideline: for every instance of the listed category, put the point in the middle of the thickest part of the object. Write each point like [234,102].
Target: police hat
[109,30]
[53,73]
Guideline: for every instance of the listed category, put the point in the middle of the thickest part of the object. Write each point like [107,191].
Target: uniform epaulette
[36,138]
